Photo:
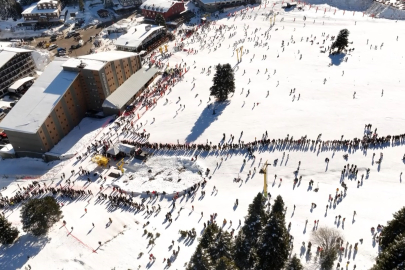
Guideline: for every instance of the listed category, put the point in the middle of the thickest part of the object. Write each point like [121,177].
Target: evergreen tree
[246,241]
[294,264]
[223,246]
[394,228]
[81,5]
[38,215]
[341,41]
[273,246]
[160,20]
[224,82]
[8,233]
[208,237]
[26,2]
[225,264]
[200,260]
[393,256]
[10,9]
[278,206]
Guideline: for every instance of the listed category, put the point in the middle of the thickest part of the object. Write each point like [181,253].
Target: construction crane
[263,171]
[120,165]
[100,160]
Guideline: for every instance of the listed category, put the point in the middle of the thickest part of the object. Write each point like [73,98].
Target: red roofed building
[166,8]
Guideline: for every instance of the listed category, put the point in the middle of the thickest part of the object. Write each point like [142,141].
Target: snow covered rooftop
[48,2]
[213,2]
[136,35]
[14,49]
[34,107]
[108,56]
[6,53]
[129,88]
[88,64]
[157,5]
[19,83]
[34,10]
[5,56]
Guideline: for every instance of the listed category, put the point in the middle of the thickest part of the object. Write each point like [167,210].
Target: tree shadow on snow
[206,119]
[337,59]
[15,256]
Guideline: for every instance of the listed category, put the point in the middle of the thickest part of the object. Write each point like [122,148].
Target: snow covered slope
[350,97]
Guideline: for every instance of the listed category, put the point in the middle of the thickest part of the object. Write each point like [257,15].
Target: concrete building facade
[60,98]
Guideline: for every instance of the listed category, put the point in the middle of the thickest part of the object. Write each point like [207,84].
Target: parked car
[12,104]
[52,46]
[70,33]
[5,109]
[2,115]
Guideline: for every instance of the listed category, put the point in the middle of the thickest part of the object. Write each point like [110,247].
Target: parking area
[63,42]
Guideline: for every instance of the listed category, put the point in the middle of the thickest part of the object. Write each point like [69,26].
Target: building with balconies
[44,11]
[15,63]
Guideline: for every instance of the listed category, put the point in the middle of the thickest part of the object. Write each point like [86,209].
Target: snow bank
[384,11]
[41,58]
[353,5]
[24,169]
[80,136]
[169,174]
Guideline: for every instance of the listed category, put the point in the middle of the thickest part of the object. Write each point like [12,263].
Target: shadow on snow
[206,119]
[15,256]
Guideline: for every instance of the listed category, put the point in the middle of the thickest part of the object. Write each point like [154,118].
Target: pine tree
[278,206]
[341,41]
[394,228]
[223,246]
[160,20]
[246,241]
[200,260]
[10,9]
[8,233]
[224,82]
[208,237]
[225,264]
[294,264]
[38,215]
[393,256]
[273,246]
[81,5]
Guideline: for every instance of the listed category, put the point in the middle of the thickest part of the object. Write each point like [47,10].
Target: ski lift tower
[263,171]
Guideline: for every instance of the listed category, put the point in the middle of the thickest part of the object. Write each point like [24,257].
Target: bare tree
[329,240]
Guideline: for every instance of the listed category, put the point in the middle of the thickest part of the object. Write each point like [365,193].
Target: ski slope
[326,107]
